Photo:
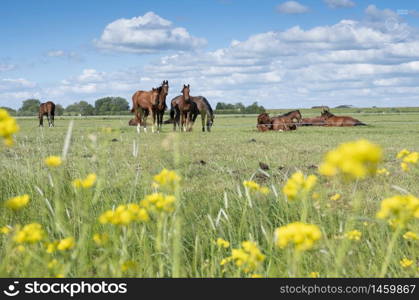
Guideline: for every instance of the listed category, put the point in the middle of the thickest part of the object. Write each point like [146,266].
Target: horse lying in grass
[285,122]
[339,121]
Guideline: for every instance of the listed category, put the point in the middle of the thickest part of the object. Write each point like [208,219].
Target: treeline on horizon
[117,106]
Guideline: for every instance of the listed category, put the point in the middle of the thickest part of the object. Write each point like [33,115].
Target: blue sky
[279,53]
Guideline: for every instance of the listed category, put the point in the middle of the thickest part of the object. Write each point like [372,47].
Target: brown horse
[203,108]
[264,122]
[161,106]
[143,104]
[315,121]
[279,123]
[48,109]
[339,121]
[181,109]
[286,121]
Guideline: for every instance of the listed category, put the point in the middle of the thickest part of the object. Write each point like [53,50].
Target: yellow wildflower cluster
[248,258]
[158,203]
[406,263]
[85,183]
[353,235]
[53,161]
[408,158]
[167,179]
[30,233]
[411,236]
[18,202]
[314,274]
[255,187]
[399,209]
[124,215]
[100,239]
[221,243]
[298,184]
[301,235]
[353,160]
[5,230]
[66,244]
[128,265]
[8,127]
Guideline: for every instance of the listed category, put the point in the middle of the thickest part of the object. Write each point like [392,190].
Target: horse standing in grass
[339,121]
[143,104]
[48,109]
[161,104]
[181,109]
[204,109]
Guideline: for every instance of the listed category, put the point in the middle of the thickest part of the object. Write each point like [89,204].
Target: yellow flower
[167,179]
[383,171]
[100,239]
[53,161]
[255,187]
[353,160]
[314,274]
[124,215]
[315,196]
[30,233]
[399,209]
[66,244]
[404,166]
[297,184]
[52,247]
[354,235]
[128,265]
[301,235]
[8,127]
[5,230]
[335,197]
[222,243]
[18,202]
[411,236]
[20,248]
[248,258]
[256,276]
[409,159]
[86,183]
[402,153]
[406,263]
[159,203]
[52,264]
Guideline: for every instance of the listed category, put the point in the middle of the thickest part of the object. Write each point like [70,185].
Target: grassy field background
[212,202]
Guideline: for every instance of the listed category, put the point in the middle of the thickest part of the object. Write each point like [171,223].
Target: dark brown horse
[161,106]
[339,121]
[48,109]
[203,108]
[181,109]
[143,104]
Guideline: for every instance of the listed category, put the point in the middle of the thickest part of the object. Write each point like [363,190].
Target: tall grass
[211,200]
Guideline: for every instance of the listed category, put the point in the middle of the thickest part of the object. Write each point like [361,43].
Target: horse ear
[188,85]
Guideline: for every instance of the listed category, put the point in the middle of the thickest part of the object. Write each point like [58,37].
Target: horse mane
[209,108]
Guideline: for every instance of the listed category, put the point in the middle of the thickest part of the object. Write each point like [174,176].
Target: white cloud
[6,67]
[147,34]
[339,3]
[64,54]
[292,7]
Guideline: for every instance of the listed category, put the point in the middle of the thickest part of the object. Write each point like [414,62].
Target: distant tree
[59,110]
[111,105]
[83,108]
[254,108]
[11,111]
[29,107]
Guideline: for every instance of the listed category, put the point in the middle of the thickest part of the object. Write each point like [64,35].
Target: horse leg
[41,120]
[139,121]
[49,119]
[153,116]
[52,119]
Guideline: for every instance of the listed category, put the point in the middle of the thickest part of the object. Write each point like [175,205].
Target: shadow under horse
[47,109]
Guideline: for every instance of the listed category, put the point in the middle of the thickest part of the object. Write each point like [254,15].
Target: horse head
[185,92]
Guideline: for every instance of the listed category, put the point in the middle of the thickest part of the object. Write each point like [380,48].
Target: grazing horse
[339,121]
[161,104]
[143,104]
[181,108]
[315,121]
[48,109]
[203,108]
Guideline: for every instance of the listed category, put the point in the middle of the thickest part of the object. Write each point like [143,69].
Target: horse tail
[360,124]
